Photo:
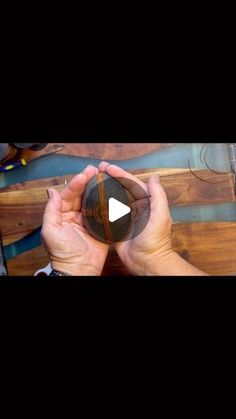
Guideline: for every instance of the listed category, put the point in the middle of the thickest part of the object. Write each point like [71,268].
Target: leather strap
[104,207]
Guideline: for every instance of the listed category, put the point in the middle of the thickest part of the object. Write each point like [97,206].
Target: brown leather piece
[104,214]
[87,212]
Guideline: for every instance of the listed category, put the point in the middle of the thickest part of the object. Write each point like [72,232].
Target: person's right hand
[152,246]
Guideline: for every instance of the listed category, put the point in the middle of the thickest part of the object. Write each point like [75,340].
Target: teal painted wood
[222,212]
[176,156]
[29,242]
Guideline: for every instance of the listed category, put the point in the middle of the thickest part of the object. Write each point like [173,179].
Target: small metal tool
[44,271]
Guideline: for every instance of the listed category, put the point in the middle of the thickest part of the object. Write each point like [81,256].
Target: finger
[102,166]
[76,185]
[71,195]
[158,198]
[53,214]
[117,171]
[72,216]
[90,171]
[79,218]
[127,180]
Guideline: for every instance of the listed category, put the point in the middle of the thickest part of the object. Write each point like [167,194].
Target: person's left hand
[71,249]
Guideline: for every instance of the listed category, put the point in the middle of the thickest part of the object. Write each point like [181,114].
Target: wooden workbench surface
[209,246]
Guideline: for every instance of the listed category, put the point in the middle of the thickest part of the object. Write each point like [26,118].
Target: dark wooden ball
[95,209]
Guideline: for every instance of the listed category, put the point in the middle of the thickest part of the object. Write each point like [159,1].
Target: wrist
[157,263]
[75,269]
[161,264]
[153,263]
[172,264]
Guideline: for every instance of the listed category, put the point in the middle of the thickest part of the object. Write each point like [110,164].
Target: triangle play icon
[117,209]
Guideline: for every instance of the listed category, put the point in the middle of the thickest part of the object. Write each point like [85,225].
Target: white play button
[117,209]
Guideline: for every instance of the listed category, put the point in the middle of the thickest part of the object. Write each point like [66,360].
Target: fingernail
[104,164]
[157,178]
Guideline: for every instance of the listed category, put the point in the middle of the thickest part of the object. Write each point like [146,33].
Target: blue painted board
[177,156]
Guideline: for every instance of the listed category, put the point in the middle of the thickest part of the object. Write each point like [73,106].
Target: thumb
[52,213]
[158,198]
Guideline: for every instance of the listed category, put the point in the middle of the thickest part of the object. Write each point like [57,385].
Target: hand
[150,252]
[71,249]
[143,253]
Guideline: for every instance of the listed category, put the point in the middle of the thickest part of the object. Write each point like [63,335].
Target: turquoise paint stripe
[214,213]
[29,242]
[197,213]
[174,156]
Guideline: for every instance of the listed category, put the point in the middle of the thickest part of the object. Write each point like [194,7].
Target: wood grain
[59,180]
[21,211]
[111,151]
[210,247]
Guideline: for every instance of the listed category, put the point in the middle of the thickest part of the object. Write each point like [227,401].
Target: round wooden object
[95,209]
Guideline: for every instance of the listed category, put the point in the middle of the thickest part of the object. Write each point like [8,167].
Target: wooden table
[211,246]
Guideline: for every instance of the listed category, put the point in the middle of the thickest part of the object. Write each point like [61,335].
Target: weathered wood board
[59,180]
[21,210]
[210,247]
[111,151]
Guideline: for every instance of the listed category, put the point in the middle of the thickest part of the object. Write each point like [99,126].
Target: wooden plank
[21,211]
[210,247]
[182,187]
[28,262]
[111,151]
[59,180]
